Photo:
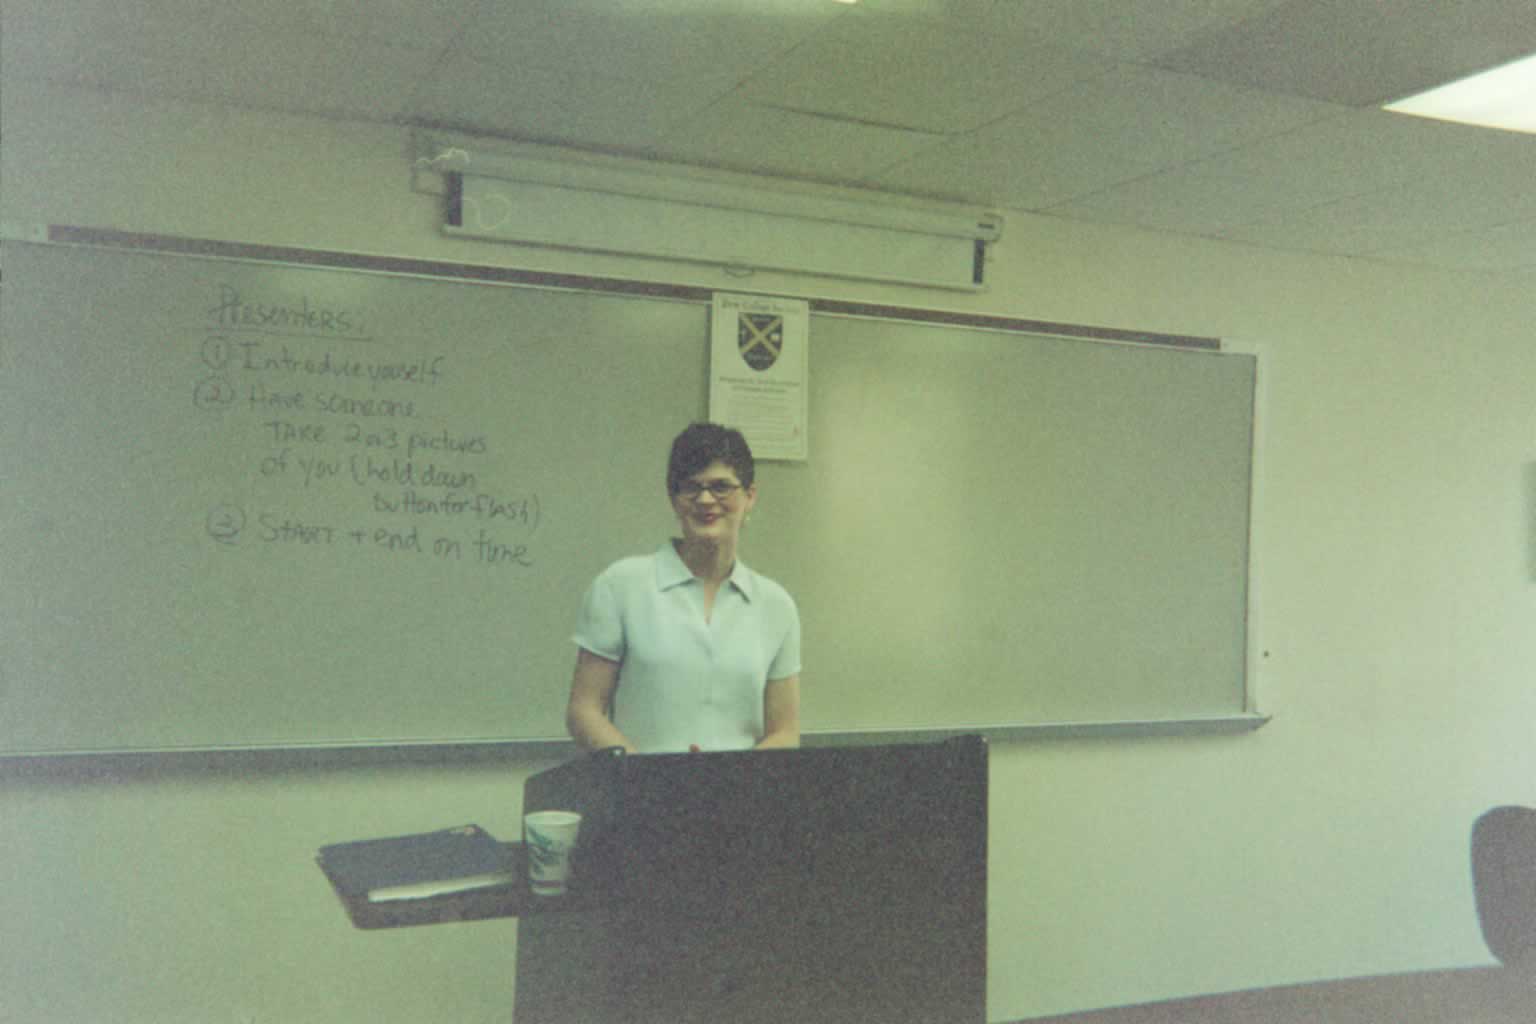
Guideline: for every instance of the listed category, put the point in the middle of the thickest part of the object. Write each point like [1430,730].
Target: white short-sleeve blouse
[684,681]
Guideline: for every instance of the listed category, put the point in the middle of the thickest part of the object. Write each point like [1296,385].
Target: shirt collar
[671,572]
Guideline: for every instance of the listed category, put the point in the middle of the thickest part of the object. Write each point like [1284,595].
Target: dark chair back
[1504,880]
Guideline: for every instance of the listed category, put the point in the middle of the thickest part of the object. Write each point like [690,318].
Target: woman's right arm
[586,713]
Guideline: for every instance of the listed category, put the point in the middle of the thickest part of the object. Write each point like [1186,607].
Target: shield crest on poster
[760,339]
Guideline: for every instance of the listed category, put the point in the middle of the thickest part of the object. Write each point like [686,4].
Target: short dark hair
[702,443]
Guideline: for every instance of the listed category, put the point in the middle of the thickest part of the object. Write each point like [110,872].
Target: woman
[687,648]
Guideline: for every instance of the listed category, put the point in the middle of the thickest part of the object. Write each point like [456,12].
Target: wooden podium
[816,886]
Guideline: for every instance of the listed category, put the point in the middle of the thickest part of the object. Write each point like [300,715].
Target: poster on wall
[759,364]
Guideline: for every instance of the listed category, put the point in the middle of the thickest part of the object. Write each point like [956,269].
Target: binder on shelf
[418,866]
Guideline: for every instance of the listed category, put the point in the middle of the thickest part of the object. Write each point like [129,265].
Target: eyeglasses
[718,489]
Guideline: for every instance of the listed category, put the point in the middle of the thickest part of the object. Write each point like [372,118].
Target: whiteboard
[262,505]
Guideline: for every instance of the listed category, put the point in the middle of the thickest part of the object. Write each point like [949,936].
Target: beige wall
[1396,534]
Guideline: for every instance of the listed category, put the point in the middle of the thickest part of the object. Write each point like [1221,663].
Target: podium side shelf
[515,899]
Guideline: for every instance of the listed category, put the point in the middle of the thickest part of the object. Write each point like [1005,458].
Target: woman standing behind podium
[687,648]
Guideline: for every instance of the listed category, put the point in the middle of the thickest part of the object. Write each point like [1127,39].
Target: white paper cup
[549,837]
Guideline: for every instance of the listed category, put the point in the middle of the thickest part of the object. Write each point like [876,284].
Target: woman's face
[711,505]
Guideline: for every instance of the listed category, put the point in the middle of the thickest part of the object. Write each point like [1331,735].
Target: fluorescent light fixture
[1504,97]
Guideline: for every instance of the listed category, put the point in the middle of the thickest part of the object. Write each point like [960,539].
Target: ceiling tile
[192,49]
[901,72]
[1507,247]
[1351,154]
[1361,52]
[644,39]
[420,24]
[1115,28]
[1352,165]
[739,135]
[368,79]
[69,39]
[538,105]
[1391,219]
[1191,199]
[1130,123]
